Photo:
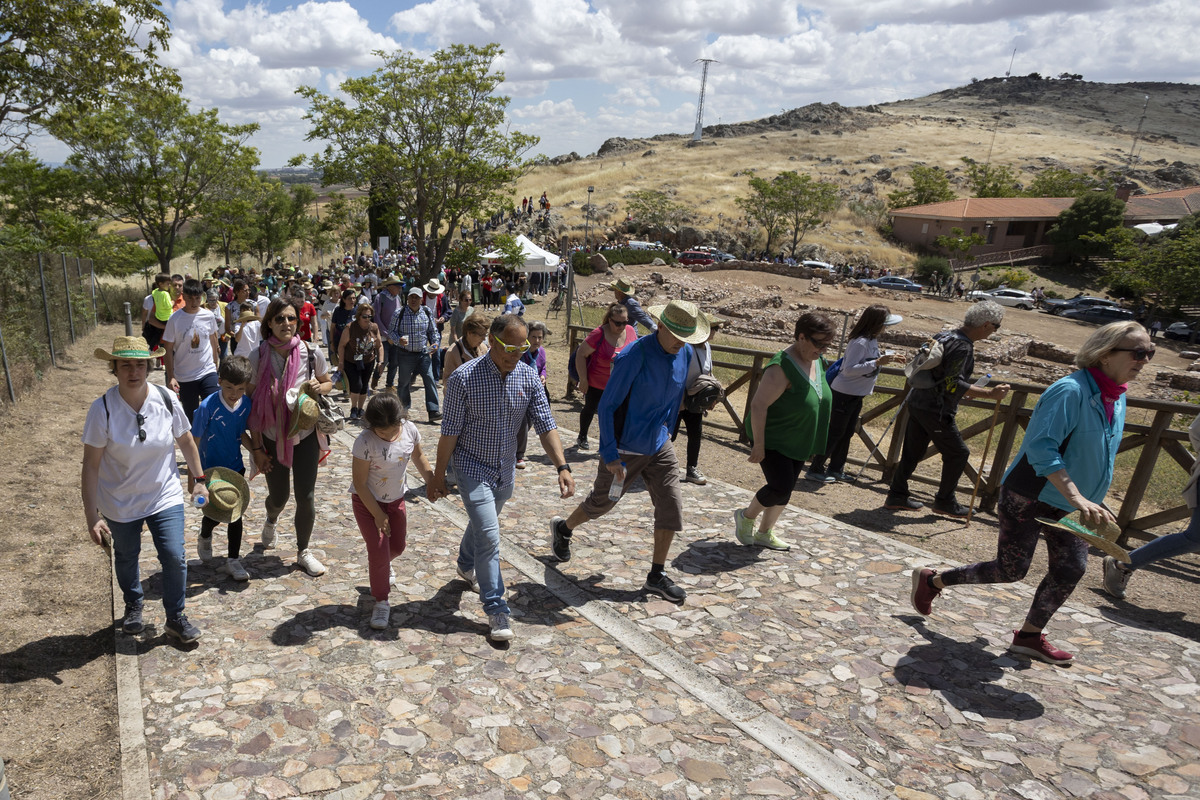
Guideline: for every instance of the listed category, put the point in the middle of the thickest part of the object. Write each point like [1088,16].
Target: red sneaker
[1035,645]
[923,594]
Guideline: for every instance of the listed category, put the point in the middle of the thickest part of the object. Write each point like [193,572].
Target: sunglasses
[1138,353]
[511,348]
[141,422]
[820,344]
[366,316]
[282,318]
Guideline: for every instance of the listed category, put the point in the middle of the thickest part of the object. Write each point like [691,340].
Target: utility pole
[1136,136]
[700,106]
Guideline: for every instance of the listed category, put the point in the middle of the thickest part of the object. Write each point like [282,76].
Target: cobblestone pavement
[797,674]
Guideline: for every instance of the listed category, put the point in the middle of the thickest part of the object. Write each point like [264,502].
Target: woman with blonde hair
[472,344]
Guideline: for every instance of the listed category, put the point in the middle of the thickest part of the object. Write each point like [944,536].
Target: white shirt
[191,337]
[387,476]
[251,336]
[261,303]
[137,479]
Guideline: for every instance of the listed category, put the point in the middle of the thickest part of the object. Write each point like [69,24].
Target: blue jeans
[410,363]
[391,353]
[1176,544]
[480,548]
[166,531]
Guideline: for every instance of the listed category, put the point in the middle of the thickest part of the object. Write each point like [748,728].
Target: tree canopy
[1074,234]
[1164,268]
[929,185]
[988,180]
[652,208]
[428,134]
[789,203]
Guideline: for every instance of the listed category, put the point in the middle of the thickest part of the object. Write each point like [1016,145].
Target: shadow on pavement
[50,655]
[713,556]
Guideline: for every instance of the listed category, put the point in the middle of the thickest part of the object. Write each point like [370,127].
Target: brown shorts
[660,471]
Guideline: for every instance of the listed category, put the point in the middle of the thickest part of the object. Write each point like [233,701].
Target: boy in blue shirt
[219,428]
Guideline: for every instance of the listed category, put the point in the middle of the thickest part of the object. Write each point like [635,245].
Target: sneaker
[381,615]
[842,477]
[1035,645]
[582,443]
[819,477]
[1116,577]
[268,535]
[521,463]
[560,542]
[923,594]
[665,587]
[132,622]
[695,476]
[769,540]
[435,416]
[310,563]
[235,570]
[181,629]
[902,504]
[468,576]
[501,627]
[951,508]
[391,576]
[204,548]
[743,528]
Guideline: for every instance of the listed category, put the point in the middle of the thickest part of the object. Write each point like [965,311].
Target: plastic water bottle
[199,500]
[982,381]
[618,486]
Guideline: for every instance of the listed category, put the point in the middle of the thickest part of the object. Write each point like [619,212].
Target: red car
[696,257]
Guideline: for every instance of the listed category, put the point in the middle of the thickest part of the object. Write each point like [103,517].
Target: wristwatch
[561,467]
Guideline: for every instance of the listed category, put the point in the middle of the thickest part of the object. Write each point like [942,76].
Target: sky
[580,72]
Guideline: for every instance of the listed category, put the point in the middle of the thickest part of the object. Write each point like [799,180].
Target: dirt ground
[58,715]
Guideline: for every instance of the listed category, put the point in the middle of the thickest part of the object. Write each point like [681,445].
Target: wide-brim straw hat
[304,412]
[390,282]
[128,347]
[246,316]
[1103,539]
[623,286]
[683,319]
[434,286]
[228,495]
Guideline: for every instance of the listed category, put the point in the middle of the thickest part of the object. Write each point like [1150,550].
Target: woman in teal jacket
[1065,464]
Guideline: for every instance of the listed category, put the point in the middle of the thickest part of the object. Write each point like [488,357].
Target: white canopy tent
[536,259]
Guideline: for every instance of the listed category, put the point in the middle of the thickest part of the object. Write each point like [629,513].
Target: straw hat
[128,347]
[228,495]
[247,315]
[390,282]
[1104,539]
[623,286]
[434,286]
[304,412]
[682,319]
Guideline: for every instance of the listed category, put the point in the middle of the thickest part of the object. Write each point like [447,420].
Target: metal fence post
[12,394]
[46,308]
[67,287]
[128,320]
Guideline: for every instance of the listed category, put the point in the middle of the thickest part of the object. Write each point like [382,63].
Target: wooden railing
[1153,439]
[1009,257]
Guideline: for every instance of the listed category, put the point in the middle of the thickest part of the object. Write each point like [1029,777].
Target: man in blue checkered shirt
[415,334]
[488,400]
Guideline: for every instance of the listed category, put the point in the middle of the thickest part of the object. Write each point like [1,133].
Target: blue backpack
[833,370]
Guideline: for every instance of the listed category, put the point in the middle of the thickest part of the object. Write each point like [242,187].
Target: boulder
[598,263]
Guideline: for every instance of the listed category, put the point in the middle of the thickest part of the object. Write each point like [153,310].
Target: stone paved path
[798,674]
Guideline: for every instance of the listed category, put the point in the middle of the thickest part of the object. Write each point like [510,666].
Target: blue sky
[579,72]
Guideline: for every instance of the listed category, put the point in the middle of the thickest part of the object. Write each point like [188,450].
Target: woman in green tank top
[787,424]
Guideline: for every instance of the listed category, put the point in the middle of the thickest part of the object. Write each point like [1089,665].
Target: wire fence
[47,302]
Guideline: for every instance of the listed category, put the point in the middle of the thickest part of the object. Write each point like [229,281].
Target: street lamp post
[587,217]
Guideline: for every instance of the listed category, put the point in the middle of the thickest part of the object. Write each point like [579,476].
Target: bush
[928,266]
[1012,278]
[628,256]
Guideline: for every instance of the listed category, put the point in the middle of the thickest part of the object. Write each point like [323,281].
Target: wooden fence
[1152,440]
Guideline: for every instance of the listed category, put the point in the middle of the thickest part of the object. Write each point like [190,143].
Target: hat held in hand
[1103,538]
[304,412]
[228,495]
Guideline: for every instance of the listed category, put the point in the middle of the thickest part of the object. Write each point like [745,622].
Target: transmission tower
[700,107]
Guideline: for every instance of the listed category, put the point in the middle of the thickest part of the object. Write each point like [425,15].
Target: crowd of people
[487,388]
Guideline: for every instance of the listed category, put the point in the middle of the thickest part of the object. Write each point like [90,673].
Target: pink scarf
[1110,390]
[269,405]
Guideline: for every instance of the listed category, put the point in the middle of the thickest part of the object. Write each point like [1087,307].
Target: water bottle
[199,500]
[983,381]
[618,486]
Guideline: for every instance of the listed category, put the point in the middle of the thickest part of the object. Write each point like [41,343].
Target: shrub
[628,256]
[1013,278]
[928,266]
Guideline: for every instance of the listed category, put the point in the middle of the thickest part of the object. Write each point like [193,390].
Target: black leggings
[781,473]
[693,422]
[358,375]
[208,525]
[843,418]
[303,471]
[591,402]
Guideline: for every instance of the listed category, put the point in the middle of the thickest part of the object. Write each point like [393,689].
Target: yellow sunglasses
[511,348]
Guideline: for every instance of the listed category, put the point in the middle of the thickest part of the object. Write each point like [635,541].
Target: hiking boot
[582,443]
[818,477]
[950,508]
[500,627]
[743,528]
[435,416]
[902,504]
[695,476]
[923,592]
[310,563]
[665,587]
[381,615]
[204,549]
[268,535]
[769,540]
[132,621]
[235,570]
[1116,577]
[468,576]
[1035,645]
[560,540]
[181,629]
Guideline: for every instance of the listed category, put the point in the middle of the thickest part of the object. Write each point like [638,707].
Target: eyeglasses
[512,348]
[141,421]
[282,318]
[1138,353]
[366,316]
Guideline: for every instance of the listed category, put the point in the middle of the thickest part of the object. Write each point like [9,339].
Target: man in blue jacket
[637,414]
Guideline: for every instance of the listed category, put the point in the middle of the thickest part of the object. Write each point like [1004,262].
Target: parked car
[894,283]
[817,265]
[1059,306]
[1182,331]
[696,257]
[721,255]
[1014,298]
[1101,315]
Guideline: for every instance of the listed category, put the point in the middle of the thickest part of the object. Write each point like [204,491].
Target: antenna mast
[700,107]
[1136,136]
[997,125]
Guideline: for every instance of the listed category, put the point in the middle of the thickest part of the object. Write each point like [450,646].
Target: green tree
[803,203]
[511,254]
[153,163]
[280,218]
[429,135]
[654,209]
[760,207]
[228,221]
[69,57]
[958,244]
[346,220]
[463,255]
[1164,269]
[1074,235]
[985,180]
[929,185]
[1057,182]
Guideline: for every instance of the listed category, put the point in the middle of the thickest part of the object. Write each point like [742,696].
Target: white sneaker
[469,577]
[381,616]
[310,563]
[268,535]
[391,576]
[236,571]
[204,548]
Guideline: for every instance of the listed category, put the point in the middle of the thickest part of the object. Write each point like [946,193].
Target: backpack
[834,369]
[162,390]
[919,370]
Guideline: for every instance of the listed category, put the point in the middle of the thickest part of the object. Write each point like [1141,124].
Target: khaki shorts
[660,471]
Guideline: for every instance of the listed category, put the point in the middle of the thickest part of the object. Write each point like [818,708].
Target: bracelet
[198,478]
[561,467]
[252,447]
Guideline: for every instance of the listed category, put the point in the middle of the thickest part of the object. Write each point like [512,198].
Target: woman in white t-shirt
[248,332]
[193,349]
[130,479]
[280,363]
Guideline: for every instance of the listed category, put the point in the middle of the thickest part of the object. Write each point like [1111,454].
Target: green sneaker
[769,540]
[744,528]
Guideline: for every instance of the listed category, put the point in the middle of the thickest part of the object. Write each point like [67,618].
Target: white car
[1013,298]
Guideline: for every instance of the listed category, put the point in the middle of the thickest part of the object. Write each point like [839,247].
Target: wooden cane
[987,445]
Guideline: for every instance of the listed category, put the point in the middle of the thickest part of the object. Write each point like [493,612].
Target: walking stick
[986,446]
